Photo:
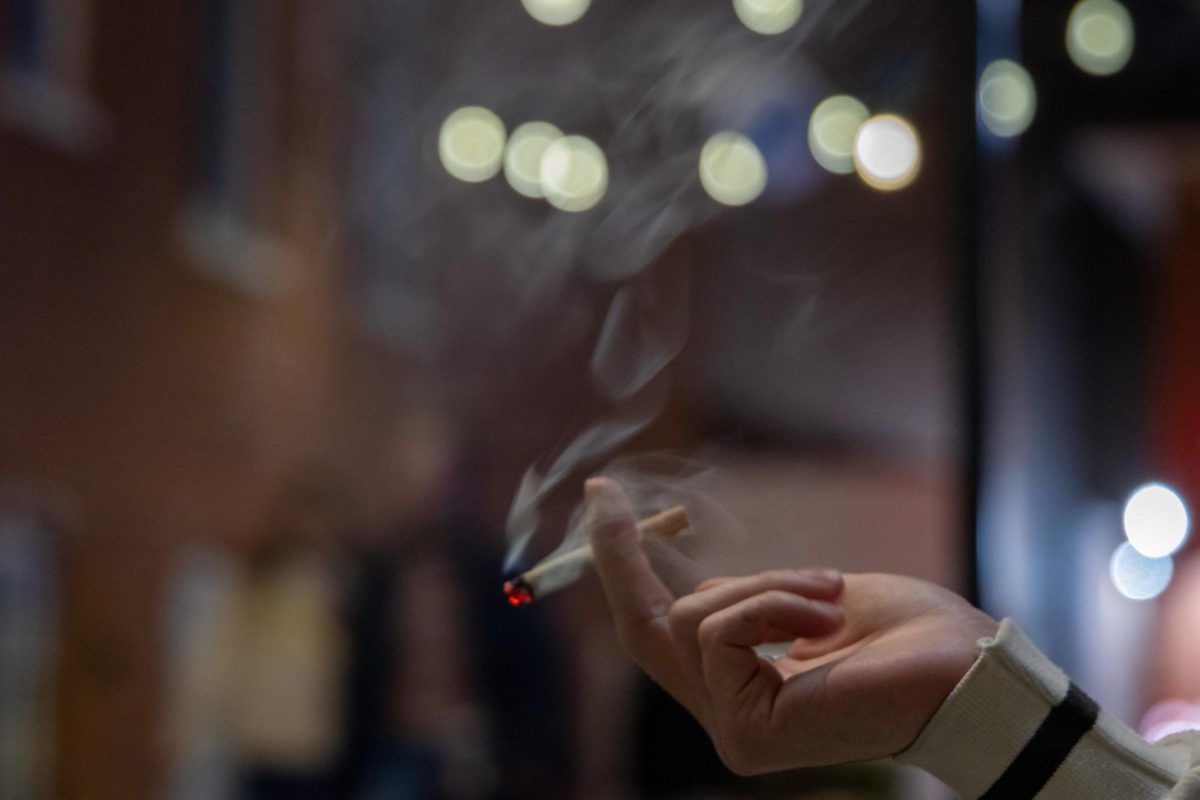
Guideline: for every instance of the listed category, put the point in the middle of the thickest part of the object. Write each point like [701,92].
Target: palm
[903,647]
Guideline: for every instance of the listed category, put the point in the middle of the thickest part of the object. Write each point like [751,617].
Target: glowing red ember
[518,593]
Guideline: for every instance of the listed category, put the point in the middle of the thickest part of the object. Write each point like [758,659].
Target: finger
[712,583]
[689,611]
[820,576]
[731,667]
[638,600]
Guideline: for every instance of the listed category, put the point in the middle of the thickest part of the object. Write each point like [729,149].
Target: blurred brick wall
[165,404]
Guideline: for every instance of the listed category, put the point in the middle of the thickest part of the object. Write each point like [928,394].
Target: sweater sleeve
[1016,728]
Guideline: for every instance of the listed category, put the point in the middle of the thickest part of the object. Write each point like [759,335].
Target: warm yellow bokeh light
[523,157]
[887,152]
[831,131]
[471,144]
[573,173]
[1100,36]
[768,17]
[556,12]
[732,170]
[1007,98]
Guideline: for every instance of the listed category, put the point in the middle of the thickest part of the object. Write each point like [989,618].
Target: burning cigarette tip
[518,593]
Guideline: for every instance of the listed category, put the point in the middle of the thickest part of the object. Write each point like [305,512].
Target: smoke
[649,82]
[598,440]
[448,262]
[645,329]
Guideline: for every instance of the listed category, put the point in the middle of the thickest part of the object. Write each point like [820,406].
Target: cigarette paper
[565,569]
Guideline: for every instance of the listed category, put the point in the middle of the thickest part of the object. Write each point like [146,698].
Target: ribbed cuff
[1015,727]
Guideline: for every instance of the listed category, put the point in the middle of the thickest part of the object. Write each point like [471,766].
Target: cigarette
[563,570]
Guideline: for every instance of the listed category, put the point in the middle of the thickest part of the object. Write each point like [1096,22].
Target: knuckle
[750,616]
[681,616]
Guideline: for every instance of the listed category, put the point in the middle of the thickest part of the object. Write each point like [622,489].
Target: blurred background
[314,316]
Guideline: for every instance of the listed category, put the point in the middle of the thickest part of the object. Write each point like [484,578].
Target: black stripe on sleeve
[1033,767]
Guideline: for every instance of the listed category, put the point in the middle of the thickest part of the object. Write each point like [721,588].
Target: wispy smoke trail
[645,329]
[599,440]
[648,82]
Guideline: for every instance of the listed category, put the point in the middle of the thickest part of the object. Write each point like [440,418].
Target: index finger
[638,600]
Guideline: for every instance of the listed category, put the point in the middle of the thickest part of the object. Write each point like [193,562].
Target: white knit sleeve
[1016,728]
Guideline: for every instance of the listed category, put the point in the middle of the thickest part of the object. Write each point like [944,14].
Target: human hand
[871,656]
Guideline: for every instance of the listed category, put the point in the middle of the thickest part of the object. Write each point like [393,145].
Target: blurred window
[28,634]
[228,115]
[44,87]
[26,44]
[229,220]
[50,39]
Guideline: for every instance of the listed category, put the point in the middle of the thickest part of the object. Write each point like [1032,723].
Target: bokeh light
[831,131]
[523,156]
[471,144]
[887,152]
[732,170]
[1100,36]
[573,173]
[1007,98]
[768,17]
[1156,520]
[1138,577]
[556,12]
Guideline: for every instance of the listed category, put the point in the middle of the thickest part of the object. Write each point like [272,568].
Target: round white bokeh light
[573,173]
[1100,36]
[887,152]
[523,157]
[1156,520]
[1138,577]
[732,170]
[768,17]
[1007,98]
[471,144]
[556,12]
[831,131]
